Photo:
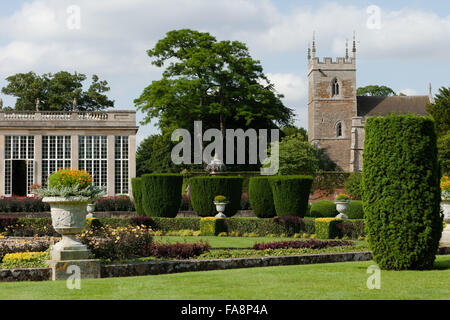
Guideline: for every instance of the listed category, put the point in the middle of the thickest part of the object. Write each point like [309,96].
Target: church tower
[332,103]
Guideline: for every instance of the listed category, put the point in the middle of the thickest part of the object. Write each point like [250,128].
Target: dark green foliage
[401,192]
[353,185]
[57,91]
[375,90]
[261,197]
[23,204]
[204,189]
[329,181]
[444,153]
[355,210]
[331,228]
[323,209]
[136,186]
[114,203]
[440,111]
[326,228]
[211,226]
[291,194]
[175,224]
[161,194]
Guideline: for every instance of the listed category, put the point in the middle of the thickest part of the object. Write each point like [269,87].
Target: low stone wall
[175,266]
[30,274]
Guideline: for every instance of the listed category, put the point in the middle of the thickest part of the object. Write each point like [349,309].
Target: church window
[339,130]
[334,87]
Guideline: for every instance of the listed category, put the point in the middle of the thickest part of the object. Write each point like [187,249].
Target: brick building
[336,115]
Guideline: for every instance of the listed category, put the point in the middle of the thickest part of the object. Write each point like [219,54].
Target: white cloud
[115,35]
[408,92]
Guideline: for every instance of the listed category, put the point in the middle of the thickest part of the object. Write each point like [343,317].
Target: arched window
[339,129]
[334,87]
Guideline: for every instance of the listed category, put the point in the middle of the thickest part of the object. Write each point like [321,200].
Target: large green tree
[440,111]
[375,90]
[216,82]
[57,91]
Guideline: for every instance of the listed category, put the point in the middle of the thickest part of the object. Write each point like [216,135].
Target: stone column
[111,166]
[38,159]
[131,162]
[2,165]
[74,151]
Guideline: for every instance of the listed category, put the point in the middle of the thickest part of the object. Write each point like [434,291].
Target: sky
[404,45]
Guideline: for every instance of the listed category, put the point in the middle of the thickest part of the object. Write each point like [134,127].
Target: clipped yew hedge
[323,209]
[136,187]
[400,191]
[204,189]
[291,194]
[261,197]
[161,194]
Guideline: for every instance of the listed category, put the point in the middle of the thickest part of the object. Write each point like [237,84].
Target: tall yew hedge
[400,191]
[136,188]
[291,194]
[261,197]
[204,189]
[161,194]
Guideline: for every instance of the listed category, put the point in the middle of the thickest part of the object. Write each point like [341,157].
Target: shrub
[323,209]
[23,246]
[261,197]
[204,189]
[161,196]
[400,191]
[142,221]
[326,228]
[353,185]
[179,250]
[114,203]
[136,187]
[23,204]
[7,221]
[212,226]
[25,260]
[355,210]
[309,244]
[342,197]
[30,227]
[291,194]
[119,243]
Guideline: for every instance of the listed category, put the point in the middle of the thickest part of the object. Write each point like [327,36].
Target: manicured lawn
[227,242]
[321,281]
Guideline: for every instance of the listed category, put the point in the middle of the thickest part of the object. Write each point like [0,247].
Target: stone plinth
[82,269]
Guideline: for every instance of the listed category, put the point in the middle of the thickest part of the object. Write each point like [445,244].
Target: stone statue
[1,103]
[74,105]
[37,104]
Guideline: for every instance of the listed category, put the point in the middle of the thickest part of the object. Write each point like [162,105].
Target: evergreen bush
[261,197]
[161,194]
[355,210]
[291,194]
[204,189]
[136,187]
[323,209]
[400,191]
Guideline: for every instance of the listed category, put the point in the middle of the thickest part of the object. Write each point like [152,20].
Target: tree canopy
[440,111]
[375,90]
[57,91]
[216,82]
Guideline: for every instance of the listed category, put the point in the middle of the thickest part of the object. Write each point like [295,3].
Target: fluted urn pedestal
[69,219]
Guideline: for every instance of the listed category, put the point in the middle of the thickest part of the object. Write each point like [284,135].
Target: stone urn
[68,219]
[90,209]
[445,206]
[341,207]
[220,207]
